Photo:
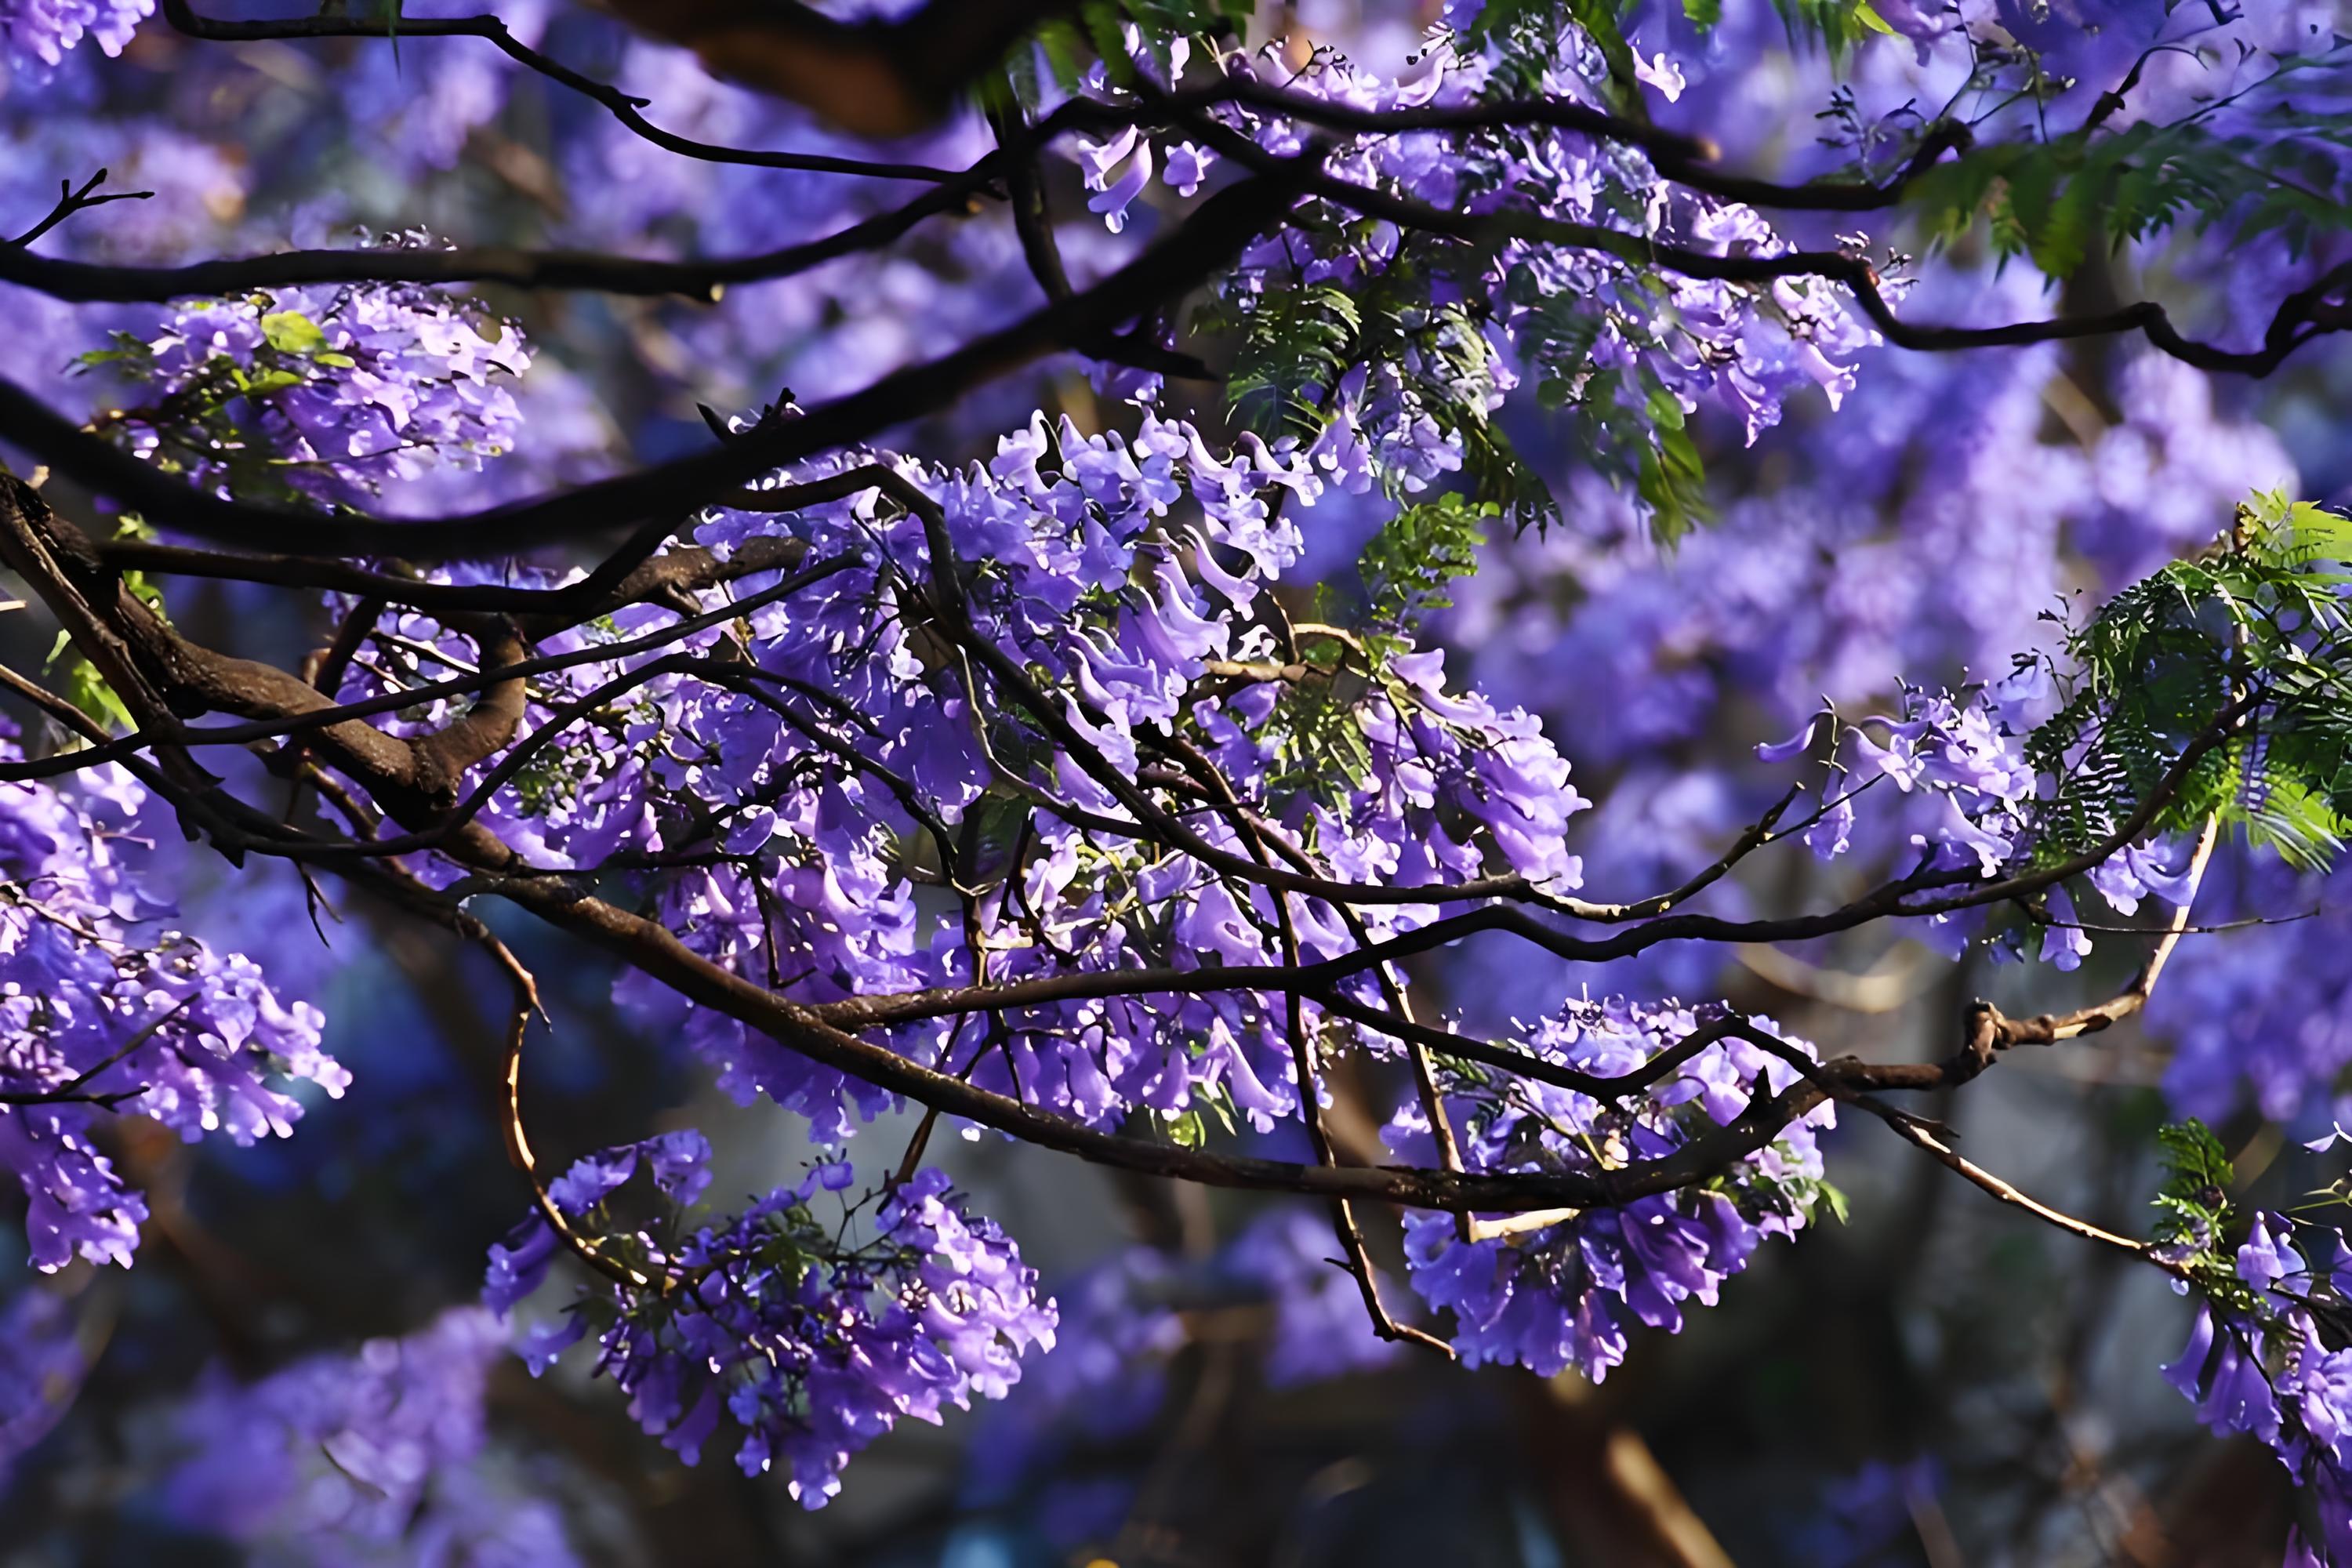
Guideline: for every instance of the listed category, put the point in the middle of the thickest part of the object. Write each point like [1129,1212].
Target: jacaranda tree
[1350,603]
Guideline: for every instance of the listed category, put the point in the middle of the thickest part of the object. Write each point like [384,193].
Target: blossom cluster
[873,806]
[37,33]
[2268,1358]
[1569,1293]
[1400,350]
[812,1348]
[1123,656]
[322,395]
[101,1015]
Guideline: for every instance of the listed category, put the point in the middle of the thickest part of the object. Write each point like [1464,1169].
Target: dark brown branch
[184,19]
[2324,306]
[71,201]
[1681,158]
[90,282]
[1889,898]
[690,570]
[1199,248]
[314,712]
[872,77]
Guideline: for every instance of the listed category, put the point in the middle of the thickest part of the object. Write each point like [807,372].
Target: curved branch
[1199,248]
[324,714]
[184,19]
[2323,306]
[1684,159]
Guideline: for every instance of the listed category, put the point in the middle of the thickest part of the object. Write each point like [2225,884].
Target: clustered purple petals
[863,806]
[1967,795]
[812,1348]
[377,1457]
[2264,1366]
[94,1001]
[1122,575]
[37,33]
[1568,1295]
[1586,322]
[325,394]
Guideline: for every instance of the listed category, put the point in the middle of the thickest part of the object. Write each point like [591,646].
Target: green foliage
[1319,749]
[2059,201]
[1296,343]
[2193,1211]
[1525,27]
[2259,619]
[1813,1198]
[1556,336]
[204,418]
[1838,24]
[85,688]
[1316,726]
[1652,449]
[1526,34]
[1415,557]
[1670,476]
[292,332]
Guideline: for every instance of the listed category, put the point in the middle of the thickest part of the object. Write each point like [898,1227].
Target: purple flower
[96,998]
[1568,1294]
[319,394]
[811,1348]
[37,33]
[2065,944]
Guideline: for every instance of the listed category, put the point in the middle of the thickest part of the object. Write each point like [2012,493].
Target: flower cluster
[1401,350]
[812,1348]
[1568,1294]
[378,1458]
[1962,754]
[1025,685]
[2267,1357]
[319,394]
[36,34]
[98,1016]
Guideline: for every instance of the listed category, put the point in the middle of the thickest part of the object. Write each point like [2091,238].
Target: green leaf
[1408,565]
[292,332]
[88,691]
[268,382]
[2258,613]
[1672,477]
[1296,345]
[2059,199]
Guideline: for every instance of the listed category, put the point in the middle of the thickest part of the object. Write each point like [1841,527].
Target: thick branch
[1199,248]
[184,19]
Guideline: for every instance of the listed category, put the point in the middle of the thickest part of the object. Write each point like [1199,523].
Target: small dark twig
[71,201]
